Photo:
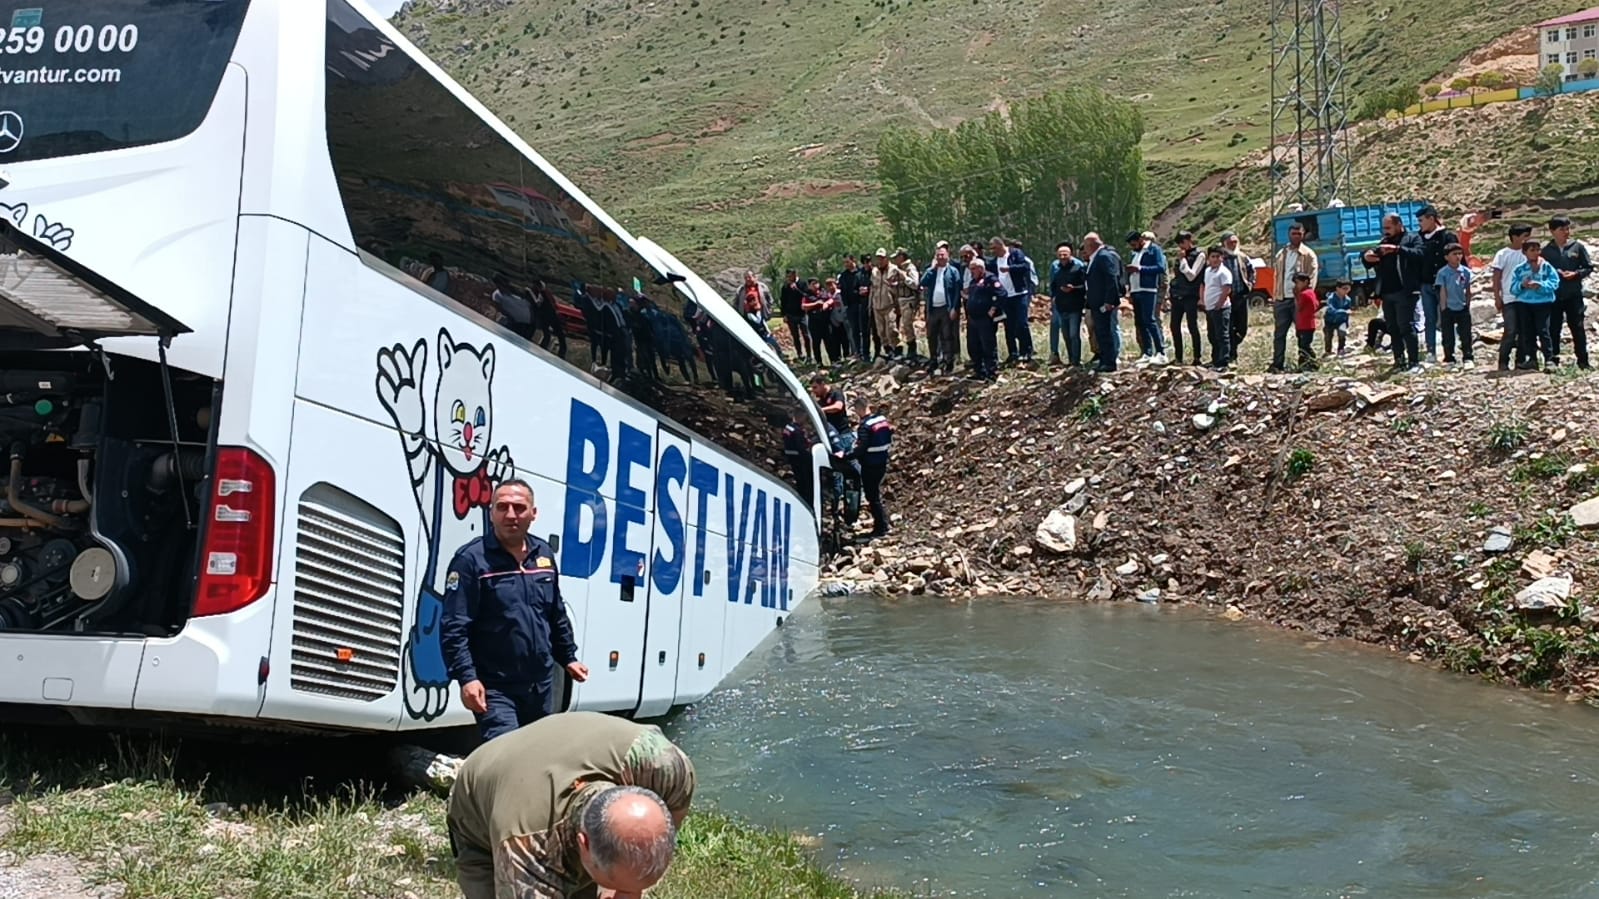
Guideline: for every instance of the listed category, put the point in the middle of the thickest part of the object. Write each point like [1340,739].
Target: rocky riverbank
[1452,515]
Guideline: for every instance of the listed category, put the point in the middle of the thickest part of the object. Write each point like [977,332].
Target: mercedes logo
[10,131]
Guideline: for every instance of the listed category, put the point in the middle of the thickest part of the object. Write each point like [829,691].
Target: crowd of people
[1420,282]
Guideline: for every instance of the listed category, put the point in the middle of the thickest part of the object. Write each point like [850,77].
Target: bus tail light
[236,559]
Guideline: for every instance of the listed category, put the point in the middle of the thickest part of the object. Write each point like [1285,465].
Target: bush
[1550,77]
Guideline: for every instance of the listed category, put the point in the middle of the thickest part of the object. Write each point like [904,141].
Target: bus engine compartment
[102,492]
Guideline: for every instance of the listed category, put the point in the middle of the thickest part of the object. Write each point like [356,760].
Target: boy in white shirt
[1505,262]
[1217,298]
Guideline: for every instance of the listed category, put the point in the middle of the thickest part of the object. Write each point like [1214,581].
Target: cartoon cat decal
[446,429]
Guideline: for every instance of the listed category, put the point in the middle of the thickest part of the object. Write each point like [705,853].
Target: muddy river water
[1032,748]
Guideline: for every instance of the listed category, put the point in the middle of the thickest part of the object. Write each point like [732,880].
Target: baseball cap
[941,245]
[880,252]
[901,251]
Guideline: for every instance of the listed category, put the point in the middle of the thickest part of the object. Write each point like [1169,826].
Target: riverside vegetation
[88,815]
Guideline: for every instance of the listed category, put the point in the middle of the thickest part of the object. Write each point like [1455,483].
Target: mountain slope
[711,125]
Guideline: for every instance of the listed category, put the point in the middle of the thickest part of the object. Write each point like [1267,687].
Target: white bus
[279,304]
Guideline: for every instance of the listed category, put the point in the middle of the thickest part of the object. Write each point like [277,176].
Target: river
[1033,748]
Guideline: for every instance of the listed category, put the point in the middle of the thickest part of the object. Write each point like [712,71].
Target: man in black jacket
[853,284]
[1398,261]
[1435,239]
[1570,259]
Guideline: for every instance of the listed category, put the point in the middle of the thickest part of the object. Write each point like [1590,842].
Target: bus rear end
[136,531]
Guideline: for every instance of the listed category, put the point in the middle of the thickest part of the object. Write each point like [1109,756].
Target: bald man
[574,805]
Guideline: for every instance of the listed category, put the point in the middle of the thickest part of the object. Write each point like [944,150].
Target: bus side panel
[80,671]
[761,528]
[668,574]
[213,664]
[434,383]
[700,662]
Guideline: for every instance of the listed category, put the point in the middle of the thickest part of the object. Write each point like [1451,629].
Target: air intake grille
[349,578]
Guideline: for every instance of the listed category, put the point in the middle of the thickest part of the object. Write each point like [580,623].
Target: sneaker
[1417,369]
[1159,359]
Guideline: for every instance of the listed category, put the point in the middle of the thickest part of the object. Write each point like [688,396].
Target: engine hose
[83,483]
[44,518]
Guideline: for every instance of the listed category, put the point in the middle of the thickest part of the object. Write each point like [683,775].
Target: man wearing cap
[1293,259]
[886,278]
[1145,266]
[1243,274]
[907,300]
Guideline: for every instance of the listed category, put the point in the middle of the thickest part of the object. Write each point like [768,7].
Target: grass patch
[1300,463]
[149,816]
[1540,468]
[1550,530]
[1505,437]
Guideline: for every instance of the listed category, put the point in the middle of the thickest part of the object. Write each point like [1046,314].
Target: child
[1217,297]
[1533,284]
[1305,307]
[1454,303]
[1336,318]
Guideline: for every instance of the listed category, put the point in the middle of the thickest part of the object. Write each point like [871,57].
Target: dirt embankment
[1439,515]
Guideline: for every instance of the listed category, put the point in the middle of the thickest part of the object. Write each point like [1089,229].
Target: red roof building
[1569,40]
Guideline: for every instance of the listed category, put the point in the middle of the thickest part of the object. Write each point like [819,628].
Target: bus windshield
[84,76]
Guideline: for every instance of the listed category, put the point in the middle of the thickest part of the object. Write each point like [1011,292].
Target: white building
[1569,40]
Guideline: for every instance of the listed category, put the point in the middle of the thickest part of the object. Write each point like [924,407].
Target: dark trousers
[1430,317]
[1564,313]
[1457,323]
[1533,334]
[1375,329]
[511,708]
[858,319]
[1511,337]
[1399,317]
[1106,331]
[801,335]
[1307,347]
[982,341]
[554,331]
[1018,336]
[872,486]
[1219,325]
[943,341]
[1239,323]
[1184,309]
[1283,320]
[1146,323]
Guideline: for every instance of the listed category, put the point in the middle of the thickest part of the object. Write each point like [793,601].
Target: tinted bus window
[434,191]
[82,76]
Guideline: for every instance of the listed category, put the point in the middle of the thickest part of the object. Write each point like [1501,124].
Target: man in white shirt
[1217,298]
[941,284]
[1505,262]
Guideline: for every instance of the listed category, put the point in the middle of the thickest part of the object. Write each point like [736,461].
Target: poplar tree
[1053,167]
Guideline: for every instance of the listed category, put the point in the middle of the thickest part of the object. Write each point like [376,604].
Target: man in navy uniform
[985,300]
[796,449]
[505,627]
[871,450]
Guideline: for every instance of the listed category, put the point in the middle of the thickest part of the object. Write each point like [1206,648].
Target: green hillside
[713,125]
